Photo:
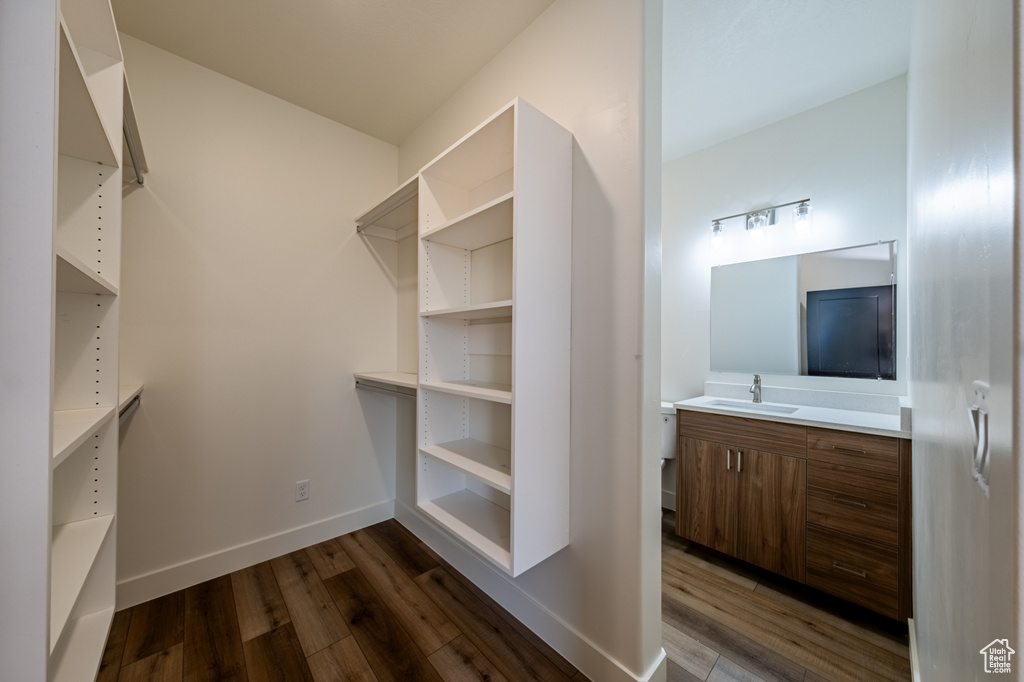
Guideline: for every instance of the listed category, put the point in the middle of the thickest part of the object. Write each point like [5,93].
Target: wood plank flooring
[726,621]
[372,606]
[378,605]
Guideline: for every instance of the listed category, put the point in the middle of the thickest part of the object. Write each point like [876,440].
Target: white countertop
[877,423]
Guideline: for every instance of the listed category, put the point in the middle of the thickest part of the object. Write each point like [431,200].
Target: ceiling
[378,66]
[731,66]
[384,66]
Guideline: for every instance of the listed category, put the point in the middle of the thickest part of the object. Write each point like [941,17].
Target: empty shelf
[482,390]
[125,394]
[395,217]
[400,384]
[75,547]
[74,276]
[402,379]
[479,311]
[71,428]
[81,131]
[483,226]
[487,463]
[481,523]
[86,637]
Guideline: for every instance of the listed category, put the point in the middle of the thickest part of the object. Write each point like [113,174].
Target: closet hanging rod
[366,386]
[129,138]
[129,410]
[132,139]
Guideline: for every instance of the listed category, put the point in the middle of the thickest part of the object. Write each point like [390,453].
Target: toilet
[668,432]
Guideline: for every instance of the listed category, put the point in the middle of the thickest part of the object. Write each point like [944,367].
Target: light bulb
[717,236]
[756,223]
[803,218]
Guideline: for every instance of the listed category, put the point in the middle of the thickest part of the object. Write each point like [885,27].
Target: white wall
[963,297]
[848,156]
[247,302]
[581,63]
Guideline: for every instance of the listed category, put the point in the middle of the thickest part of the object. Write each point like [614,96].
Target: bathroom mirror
[829,313]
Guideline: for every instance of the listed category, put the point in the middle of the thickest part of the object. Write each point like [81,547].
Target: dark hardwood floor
[372,605]
[724,621]
[378,605]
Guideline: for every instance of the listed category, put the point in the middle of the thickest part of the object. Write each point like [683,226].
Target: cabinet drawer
[858,450]
[856,570]
[755,434]
[854,501]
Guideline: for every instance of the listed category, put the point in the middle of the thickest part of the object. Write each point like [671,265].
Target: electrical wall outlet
[301,490]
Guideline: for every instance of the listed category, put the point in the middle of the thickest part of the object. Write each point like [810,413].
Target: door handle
[979,411]
[728,460]
[739,461]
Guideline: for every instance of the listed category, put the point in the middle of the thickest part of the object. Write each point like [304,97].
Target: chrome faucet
[755,388]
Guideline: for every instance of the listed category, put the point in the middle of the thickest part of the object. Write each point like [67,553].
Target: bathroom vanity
[825,502]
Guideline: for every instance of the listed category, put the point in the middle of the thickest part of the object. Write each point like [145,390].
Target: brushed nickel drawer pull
[852,451]
[844,569]
[852,503]
[728,460]
[739,461]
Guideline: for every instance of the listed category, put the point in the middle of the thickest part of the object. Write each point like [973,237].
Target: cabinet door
[708,490]
[771,511]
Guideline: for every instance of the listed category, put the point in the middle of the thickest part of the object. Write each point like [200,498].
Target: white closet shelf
[481,390]
[479,311]
[483,153]
[399,384]
[395,217]
[71,428]
[127,401]
[487,463]
[479,522]
[126,393]
[81,132]
[86,638]
[488,224]
[74,276]
[402,379]
[73,553]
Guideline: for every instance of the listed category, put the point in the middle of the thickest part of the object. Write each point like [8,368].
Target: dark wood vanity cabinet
[743,501]
[858,519]
[826,507]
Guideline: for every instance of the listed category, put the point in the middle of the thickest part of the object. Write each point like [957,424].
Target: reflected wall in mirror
[830,313]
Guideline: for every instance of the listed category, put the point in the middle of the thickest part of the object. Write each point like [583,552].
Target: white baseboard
[147,586]
[915,662]
[589,658]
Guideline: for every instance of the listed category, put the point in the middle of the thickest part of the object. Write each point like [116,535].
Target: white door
[962,298]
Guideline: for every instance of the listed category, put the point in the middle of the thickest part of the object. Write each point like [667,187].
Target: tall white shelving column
[494,339]
[27,214]
[60,249]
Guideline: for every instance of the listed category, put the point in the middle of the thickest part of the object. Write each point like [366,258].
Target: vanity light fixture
[716,233]
[759,220]
[803,218]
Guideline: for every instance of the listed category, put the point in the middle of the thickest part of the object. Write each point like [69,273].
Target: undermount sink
[755,407]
